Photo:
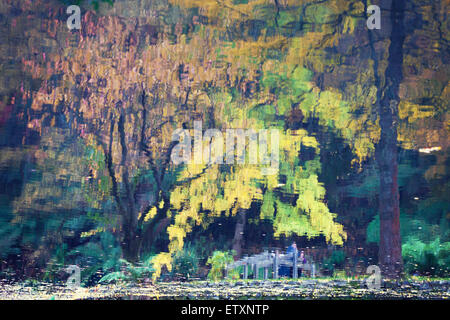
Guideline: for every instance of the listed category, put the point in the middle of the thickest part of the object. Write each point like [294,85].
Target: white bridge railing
[275,260]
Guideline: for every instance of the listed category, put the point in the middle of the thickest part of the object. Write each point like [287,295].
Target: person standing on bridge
[302,260]
[286,271]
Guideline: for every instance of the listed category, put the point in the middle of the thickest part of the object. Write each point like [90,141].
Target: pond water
[88,136]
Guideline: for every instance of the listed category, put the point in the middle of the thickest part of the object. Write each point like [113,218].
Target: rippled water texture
[87,118]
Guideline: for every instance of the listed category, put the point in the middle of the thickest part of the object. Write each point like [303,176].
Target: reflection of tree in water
[96,109]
